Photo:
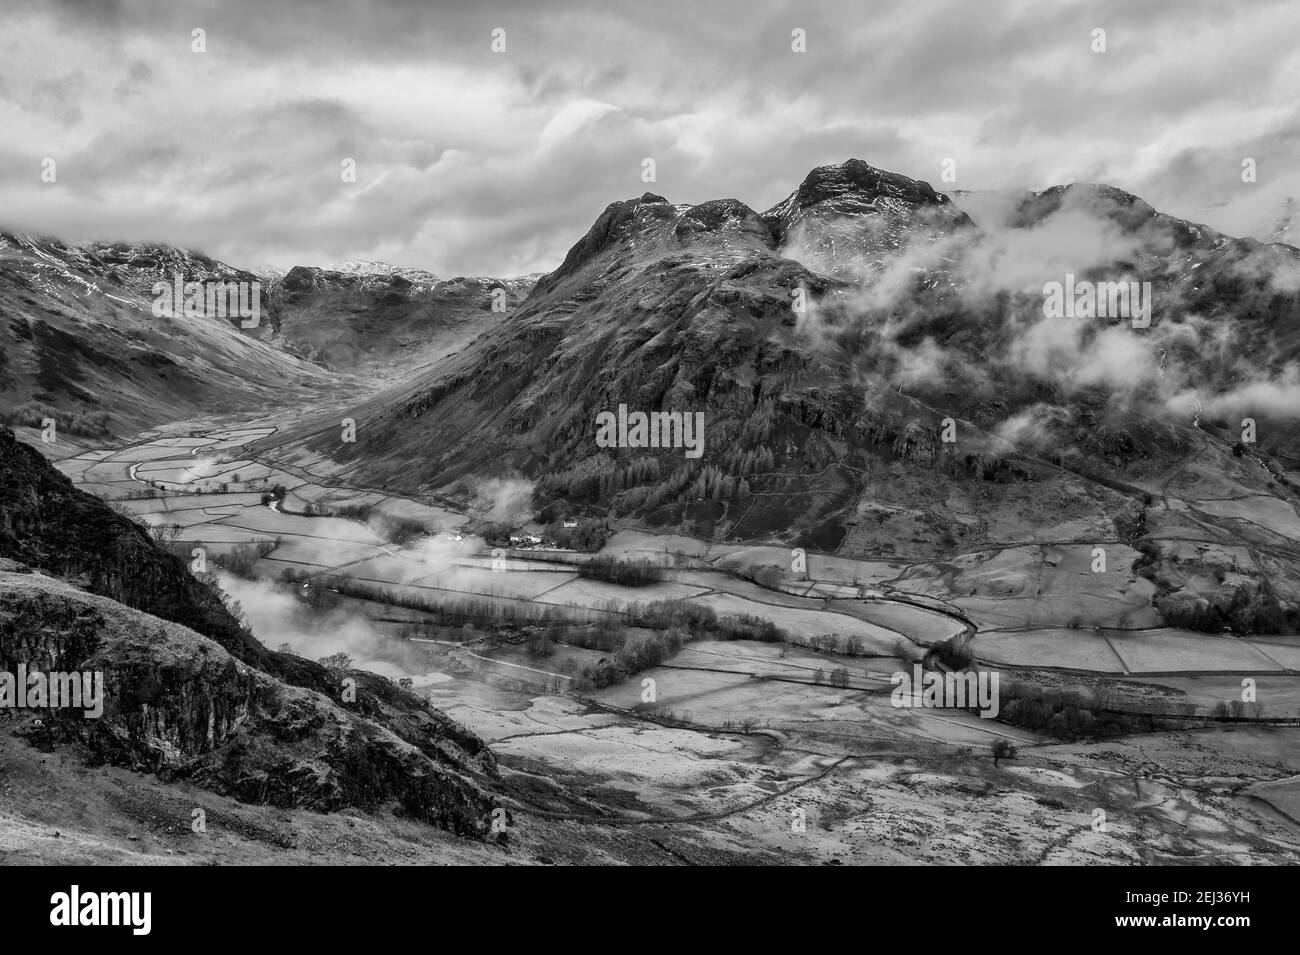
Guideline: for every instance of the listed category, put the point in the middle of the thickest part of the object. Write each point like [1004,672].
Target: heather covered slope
[827,340]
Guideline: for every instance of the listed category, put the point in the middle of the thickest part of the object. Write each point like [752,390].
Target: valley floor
[747,754]
[692,797]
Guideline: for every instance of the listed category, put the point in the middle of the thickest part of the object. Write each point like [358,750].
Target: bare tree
[164,534]
[1002,749]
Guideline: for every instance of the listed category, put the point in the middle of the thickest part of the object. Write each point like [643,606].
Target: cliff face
[178,705]
[49,524]
[191,691]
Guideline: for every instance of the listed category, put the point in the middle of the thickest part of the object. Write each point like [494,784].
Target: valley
[748,747]
[627,435]
[391,573]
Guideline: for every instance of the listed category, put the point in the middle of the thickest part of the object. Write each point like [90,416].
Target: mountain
[190,692]
[844,216]
[366,314]
[269,274]
[82,345]
[362,267]
[913,313]
[1284,229]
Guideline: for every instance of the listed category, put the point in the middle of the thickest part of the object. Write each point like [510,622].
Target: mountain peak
[849,208]
[364,268]
[853,212]
[857,180]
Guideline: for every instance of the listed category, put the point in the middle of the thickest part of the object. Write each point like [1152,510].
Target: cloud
[505,500]
[277,617]
[957,313]
[1275,396]
[472,162]
[1031,429]
[59,98]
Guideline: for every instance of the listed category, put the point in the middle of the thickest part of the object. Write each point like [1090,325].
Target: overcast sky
[475,162]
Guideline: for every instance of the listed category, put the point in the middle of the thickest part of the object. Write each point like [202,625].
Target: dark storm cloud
[474,162]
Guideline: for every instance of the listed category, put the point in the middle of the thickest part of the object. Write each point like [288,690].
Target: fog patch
[277,617]
[505,500]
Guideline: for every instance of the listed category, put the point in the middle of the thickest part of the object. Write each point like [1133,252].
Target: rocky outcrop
[48,525]
[855,189]
[918,443]
[178,705]
[619,223]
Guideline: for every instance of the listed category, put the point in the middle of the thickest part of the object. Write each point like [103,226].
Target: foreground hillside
[198,696]
[177,705]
